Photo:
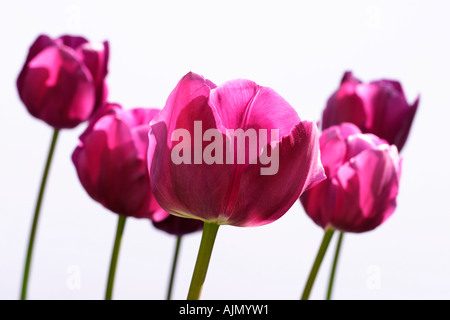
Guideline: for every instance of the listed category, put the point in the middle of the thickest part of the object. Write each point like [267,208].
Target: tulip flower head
[63,80]
[234,154]
[111,161]
[363,179]
[377,107]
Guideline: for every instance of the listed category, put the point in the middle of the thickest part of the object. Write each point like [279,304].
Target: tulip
[210,160]
[62,82]
[377,107]
[359,194]
[111,163]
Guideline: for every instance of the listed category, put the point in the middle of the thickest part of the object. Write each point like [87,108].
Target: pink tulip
[177,226]
[111,161]
[196,174]
[63,80]
[363,179]
[377,107]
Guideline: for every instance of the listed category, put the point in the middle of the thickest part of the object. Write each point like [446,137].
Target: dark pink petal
[377,107]
[345,105]
[319,202]
[95,56]
[256,199]
[57,88]
[368,190]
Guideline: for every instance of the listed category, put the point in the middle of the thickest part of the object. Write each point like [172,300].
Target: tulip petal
[263,199]
[345,105]
[244,104]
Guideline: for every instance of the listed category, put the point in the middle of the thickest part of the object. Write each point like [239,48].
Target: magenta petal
[262,199]
[62,80]
[244,104]
[187,189]
[57,88]
[95,57]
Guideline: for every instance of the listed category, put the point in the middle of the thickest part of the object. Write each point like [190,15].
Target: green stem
[114,257]
[333,269]
[174,266]
[203,257]
[26,273]
[316,266]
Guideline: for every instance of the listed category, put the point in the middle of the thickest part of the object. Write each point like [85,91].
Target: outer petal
[319,202]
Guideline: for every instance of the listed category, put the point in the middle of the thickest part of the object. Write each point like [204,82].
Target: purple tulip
[63,80]
[201,168]
[377,107]
[363,179]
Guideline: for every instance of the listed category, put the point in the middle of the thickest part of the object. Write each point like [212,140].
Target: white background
[301,49]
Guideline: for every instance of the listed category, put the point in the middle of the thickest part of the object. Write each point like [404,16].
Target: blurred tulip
[63,80]
[220,181]
[377,107]
[363,179]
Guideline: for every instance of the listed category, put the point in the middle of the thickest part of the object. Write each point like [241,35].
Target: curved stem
[316,266]
[174,266]
[114,257]
[26,273]
[203,257]
[333,269]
